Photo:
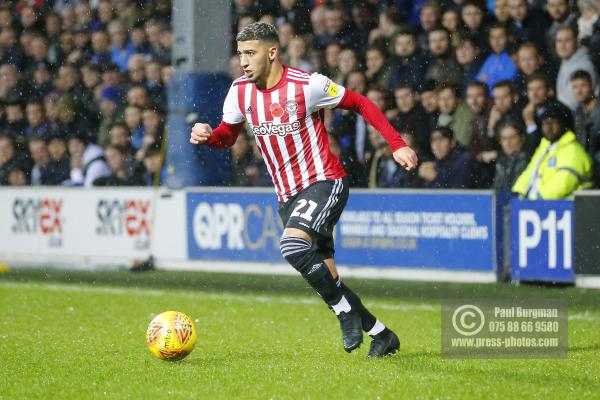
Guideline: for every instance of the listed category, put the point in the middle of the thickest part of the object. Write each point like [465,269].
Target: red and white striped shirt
[287,123]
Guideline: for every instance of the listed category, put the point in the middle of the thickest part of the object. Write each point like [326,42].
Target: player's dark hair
[261,31]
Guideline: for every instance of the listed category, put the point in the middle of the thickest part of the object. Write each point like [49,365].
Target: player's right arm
[228,130]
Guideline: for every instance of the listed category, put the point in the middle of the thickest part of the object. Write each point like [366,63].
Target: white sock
[377,328]
[342,306]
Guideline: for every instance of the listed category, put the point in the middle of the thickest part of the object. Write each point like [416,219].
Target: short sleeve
[324,93]
[231,107]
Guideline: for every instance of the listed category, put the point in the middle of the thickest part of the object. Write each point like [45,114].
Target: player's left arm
[327,94]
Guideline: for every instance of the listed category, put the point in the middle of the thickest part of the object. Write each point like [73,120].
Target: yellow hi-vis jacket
[556,170]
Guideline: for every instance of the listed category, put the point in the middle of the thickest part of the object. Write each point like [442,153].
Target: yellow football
[171,336]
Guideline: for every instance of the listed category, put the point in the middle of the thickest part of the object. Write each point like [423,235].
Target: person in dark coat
[513,159]
[453,168]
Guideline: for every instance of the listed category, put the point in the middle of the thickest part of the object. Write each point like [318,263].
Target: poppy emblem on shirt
[291,107]
[276,110]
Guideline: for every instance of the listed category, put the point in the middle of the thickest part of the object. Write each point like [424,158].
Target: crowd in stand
[477,89]
[83,91]
[485,92]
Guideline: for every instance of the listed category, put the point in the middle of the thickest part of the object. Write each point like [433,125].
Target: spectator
[101,54]
[82,53]
[138,40]
[504,107]
[560,15]
[588,10]
[105,14]
[385,171]
[336,29]
[116,159]
[69,84]
[17,177]
[46,171]
[467,55]
[451,20]
[121,136]
[155,87]
[484,146]
[10,85]
[155,173]
[9,159]
[529,62]
[87,161]
[408,66]
[453,168]
[455,114]
[411,118]
[37,125]
[587,117]
[513,159]
[295,13]
[68,122]
[155,31]
[91,76]
[539,92]
[429,100]
[502,11]
[109,109]
[528,24]
[121,49]
[363,21]
[473,16]
[38,54]
[243,165]
[560,164]
[15,123]
[573,58]
[378,72]
[443,66]
[41,83]
[133,120]
[297,55]
[498,66]
[429,19]
[389,22]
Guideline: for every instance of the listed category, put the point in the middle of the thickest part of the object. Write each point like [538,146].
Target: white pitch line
[227,296]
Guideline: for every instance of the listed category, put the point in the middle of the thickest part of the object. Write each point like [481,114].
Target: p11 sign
[542,240]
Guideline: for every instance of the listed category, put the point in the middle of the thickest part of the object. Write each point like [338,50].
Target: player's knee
[297,251]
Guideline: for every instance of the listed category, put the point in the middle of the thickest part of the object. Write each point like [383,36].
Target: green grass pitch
[68,335]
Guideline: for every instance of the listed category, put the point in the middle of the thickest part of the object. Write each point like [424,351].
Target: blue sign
[379,230]
[418,230]
[542,240]
[235,226]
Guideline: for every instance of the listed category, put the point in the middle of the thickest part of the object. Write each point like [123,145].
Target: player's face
[255,58]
